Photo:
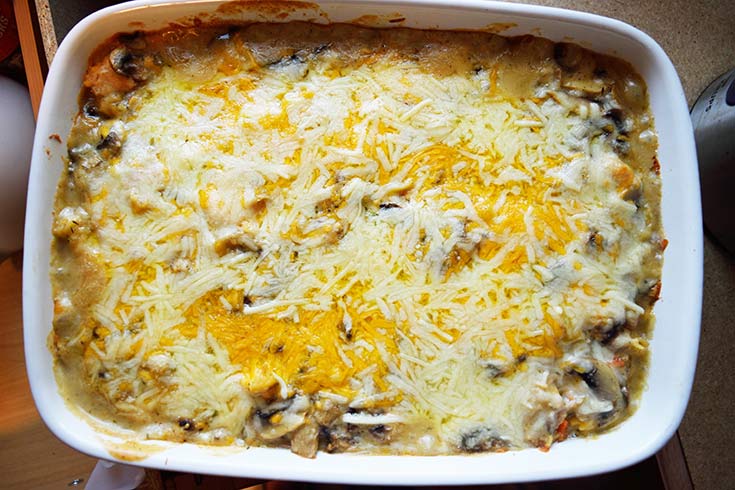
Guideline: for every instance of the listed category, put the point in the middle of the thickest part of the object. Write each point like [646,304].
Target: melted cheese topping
[429,251]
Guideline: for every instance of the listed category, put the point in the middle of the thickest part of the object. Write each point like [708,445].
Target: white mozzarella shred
[367,419]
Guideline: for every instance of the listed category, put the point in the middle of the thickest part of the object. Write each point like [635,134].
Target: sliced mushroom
[584,84]
[85,155]
[236,241]
[381,433]
[339,438]
[631,92]
[273,408]
[121,61]
[482,439]
[305,440]
[496,368]
[299,57]
[128,64]
[328,413]
[288,59]
[90,109]
[275,422]
[621,146]
[110,146]
[568,55]
[606,331]
[604,384]
[617,116]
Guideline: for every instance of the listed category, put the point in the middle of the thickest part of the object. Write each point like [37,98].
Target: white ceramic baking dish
[674,346]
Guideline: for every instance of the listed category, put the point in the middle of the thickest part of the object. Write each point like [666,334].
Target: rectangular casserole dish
[674,345]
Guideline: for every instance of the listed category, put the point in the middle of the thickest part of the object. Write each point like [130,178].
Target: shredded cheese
[369,234]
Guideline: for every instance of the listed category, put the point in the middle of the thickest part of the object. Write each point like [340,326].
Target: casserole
[268,463]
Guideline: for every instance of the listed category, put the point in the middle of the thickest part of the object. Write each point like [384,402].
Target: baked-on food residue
[349,239]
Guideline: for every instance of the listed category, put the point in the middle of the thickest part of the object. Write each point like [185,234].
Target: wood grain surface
[674,469]
[31,45]
[30,456]
[48,35]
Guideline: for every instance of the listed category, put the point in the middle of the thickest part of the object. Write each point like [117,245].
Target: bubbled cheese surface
[425,247]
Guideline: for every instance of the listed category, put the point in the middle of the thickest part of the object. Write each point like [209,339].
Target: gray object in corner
[713,118]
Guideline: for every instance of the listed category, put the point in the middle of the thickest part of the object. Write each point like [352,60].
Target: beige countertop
[699,37]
